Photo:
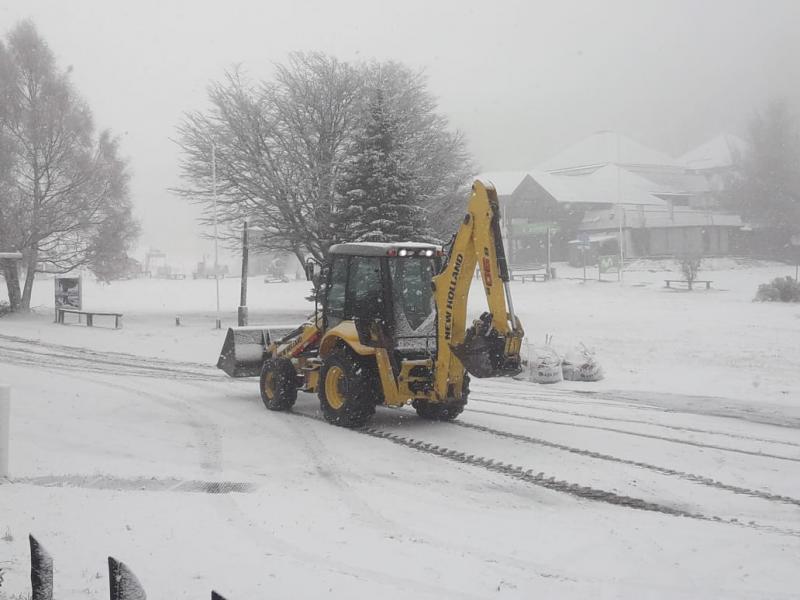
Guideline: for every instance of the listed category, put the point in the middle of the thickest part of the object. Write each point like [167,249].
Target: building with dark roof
[610,187]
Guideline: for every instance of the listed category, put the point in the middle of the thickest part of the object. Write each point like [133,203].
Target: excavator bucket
[244,351]
[484,356]
[483,352]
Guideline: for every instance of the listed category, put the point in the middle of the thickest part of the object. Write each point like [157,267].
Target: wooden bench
[689,283]
[90,314]
[529,276]
[529,272]
[275,279]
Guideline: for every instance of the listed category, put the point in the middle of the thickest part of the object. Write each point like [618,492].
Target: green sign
[608,263]
[533,228]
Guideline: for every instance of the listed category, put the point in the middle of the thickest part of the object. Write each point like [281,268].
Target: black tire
[350,379]
[443,411]
[278,384]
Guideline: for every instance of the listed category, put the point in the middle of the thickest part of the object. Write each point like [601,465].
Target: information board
[68,293]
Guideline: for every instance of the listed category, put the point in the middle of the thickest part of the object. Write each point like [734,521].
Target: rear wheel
[278,384]
[346,394]
[443,411]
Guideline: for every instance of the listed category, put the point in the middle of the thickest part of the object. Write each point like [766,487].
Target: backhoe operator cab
[385,289]
[378,331]
[391,328]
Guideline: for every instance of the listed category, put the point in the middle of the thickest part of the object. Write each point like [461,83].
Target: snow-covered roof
[615,184]
[505,182]
[717,153]
[609,184]
[606,147]
[379,248]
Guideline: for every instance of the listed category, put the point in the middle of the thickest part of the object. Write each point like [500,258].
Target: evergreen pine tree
[377,200]
[766,188]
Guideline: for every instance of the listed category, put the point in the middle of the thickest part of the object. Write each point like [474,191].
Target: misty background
[521,79]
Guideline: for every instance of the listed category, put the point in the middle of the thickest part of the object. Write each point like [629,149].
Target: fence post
[5,426]
[41,572]
[123,583]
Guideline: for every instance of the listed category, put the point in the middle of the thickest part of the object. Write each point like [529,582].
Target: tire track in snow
[211,460]
[135,484]
[111,362]
[86,359]
[652,402]
[31,353]
[148,370]
[639,434]
[87,352]
[540,479]
[701,479]
[635,421]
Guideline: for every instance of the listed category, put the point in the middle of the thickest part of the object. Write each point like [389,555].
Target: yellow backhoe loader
[391,328]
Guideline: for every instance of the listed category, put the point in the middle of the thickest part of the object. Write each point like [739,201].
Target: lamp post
[216,236]
[795,242]
[620,210]
[242,312]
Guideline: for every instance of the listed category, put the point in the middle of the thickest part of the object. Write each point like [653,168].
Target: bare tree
[62,187]
[281,147]
[278,149]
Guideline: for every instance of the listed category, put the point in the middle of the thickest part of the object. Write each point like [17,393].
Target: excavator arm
[490,347]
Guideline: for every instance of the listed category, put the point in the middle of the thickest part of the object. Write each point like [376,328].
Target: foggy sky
[522,79]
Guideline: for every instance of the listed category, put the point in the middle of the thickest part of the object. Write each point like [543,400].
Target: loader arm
[491,346]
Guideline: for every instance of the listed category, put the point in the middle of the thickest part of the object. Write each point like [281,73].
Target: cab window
[334,302]
[364,287]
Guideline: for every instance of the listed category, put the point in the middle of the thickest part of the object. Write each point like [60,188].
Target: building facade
[608,186]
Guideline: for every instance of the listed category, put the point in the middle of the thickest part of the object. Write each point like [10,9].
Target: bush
[781,289]
[690,265]
[5,308]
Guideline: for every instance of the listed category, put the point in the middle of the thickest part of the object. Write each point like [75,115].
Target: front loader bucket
[244,351]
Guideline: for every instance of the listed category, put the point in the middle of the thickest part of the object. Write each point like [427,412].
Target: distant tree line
[324,152]
[765,188]
[63,187]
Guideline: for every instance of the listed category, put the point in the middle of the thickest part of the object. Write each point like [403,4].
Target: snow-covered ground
[678,476]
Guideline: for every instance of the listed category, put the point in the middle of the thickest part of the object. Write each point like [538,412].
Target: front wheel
[346,397]
[443,411]
[278,384]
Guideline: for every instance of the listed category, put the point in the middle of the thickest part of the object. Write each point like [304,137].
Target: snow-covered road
[533,492]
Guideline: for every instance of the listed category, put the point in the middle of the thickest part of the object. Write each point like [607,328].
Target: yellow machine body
[489,347]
